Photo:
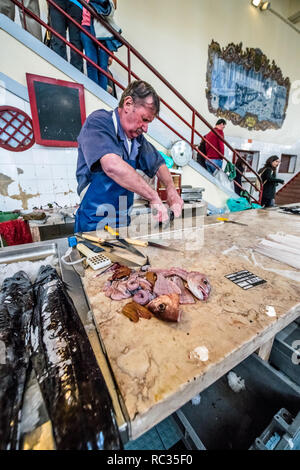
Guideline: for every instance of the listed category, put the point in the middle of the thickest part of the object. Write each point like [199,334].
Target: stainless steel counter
[40,437]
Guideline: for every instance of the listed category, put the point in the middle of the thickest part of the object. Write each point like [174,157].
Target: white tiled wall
[266,149]
[45,173]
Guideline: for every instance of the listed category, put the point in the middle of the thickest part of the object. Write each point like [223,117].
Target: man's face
[135,118]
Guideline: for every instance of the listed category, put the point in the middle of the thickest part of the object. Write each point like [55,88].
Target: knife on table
[125,241]
[224,219]
[100,241]
[97,245]
[154,244]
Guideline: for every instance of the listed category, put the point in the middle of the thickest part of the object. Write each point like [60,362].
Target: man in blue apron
[110,149]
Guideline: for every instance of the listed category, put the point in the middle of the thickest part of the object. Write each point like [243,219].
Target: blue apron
[94,211]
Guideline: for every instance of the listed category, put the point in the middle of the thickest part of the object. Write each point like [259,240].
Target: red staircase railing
[132,74]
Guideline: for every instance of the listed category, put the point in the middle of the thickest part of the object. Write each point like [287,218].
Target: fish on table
[16,308]
[73,388]
[161,291]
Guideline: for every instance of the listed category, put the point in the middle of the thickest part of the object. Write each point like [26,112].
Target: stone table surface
[158,366]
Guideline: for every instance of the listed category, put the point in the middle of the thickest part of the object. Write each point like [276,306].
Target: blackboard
[58,110]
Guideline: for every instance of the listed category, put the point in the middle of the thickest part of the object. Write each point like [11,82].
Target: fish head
[166,307]
[199,285]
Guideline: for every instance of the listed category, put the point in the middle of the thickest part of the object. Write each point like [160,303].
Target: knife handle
[93,238]
[136,242]
[111,230]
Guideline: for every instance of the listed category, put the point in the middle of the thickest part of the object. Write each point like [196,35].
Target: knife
[154,244]
[224,219]
[125,241]
[100,241]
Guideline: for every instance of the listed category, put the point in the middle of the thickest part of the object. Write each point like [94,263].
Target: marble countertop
[155,363]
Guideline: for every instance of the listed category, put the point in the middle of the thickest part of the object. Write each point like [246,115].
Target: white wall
[174,35]
[40,175]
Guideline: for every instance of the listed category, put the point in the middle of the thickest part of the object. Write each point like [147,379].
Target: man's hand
[159,210]
[174,201]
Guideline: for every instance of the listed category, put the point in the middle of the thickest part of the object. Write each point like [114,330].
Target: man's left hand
[174,201]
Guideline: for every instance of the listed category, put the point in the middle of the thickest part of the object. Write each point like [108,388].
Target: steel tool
[166,224]
[125,241]
[224,219]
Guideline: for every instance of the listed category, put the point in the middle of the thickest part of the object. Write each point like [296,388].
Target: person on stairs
[8,8]
[269,181]
[105,8]
[213,139]
[61,24]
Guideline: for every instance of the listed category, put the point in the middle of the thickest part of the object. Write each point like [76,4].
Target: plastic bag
[169,160]
[239,204]
[224,180]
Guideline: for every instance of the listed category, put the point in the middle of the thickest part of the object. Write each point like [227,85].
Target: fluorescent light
[256,3]
[265,6]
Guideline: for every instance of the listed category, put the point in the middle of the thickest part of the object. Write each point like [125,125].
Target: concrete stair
[290,192]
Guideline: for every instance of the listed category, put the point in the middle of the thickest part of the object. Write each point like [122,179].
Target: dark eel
[16,308]
[72,385]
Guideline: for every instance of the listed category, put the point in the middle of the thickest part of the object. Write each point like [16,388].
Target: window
[16,133]
[288,163]
[251,157]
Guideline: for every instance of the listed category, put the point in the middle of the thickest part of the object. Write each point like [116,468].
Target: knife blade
[126,242]
[163,247]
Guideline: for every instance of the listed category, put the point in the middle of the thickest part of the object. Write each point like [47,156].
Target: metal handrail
[132,50]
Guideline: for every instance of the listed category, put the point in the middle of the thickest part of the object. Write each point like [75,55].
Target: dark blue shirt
[98,138]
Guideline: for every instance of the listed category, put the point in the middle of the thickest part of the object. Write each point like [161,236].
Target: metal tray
[40,437]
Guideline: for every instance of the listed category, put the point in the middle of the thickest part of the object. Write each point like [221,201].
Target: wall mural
[245,88]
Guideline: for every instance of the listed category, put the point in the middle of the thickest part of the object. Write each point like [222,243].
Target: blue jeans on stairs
[211,168]
[97,55]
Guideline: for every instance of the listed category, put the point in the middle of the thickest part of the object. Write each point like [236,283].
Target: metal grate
[16,132]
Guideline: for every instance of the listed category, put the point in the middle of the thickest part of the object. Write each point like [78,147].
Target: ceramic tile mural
[245,91]
[246,88]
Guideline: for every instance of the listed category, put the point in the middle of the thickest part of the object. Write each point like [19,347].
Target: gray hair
[139,91]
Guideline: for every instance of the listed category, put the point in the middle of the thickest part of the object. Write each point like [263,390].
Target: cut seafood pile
[160,291]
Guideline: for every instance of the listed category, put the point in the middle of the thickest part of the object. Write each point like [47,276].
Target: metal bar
[193,128]
[24,16]
[129,66]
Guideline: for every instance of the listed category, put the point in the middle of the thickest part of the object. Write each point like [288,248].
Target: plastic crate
[283,433]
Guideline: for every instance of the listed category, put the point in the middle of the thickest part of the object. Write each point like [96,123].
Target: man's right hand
[159,210]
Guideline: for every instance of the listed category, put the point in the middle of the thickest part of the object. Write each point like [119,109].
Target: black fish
[16,308]
[72,385]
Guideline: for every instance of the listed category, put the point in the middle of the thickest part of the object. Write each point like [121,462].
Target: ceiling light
[256,3]
[265,6]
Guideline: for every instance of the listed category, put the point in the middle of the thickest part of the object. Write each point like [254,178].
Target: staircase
[290,192]
[215,194]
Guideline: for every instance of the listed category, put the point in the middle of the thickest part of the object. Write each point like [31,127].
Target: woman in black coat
[269,180]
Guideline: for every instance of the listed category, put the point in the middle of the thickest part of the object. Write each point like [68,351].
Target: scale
[181,153]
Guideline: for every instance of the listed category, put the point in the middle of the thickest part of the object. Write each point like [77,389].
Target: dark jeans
[60,23]
[267,202]
[211,168]
[97,55]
